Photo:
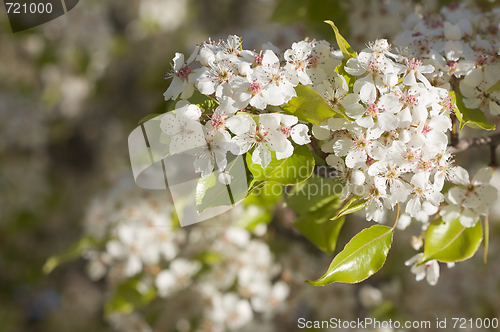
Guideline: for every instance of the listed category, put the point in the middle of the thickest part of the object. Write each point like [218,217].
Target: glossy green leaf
[472,118]
[314,194]
[495,87]
[210,192]
[320,230]
[350,79]
[450,241]
[363,256]
[354,204]
[344,46]
[292,170]
[266,195]
[456,111]
[309,106]
[203,185]
[317,200]
[260,203]
[74,252]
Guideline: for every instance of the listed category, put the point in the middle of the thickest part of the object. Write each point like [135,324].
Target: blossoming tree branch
[385,121]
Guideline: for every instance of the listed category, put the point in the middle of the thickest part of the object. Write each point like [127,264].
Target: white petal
[483,175]
[469,218]
[355,158]
[300,134]
[459,175]
[432,272]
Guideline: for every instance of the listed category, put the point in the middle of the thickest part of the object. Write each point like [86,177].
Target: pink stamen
[452,64]
[184,72]
[372,109]
[427,129]
[256,88]
[414,64]
[287,131]
[258,60]
[218,122]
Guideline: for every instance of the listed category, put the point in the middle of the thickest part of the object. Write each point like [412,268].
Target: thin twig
[325,171]
[316,149]
[397,216]
[486,239]
[465,144]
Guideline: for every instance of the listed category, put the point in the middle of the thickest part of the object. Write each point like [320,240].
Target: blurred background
[73,89]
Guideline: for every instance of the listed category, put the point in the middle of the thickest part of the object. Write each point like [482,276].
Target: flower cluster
[387,135]
[245,84]
[394,150]
[461,44]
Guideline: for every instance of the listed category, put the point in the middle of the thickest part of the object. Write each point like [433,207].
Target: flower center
[419,191]
[361,144]
[218,122]
[427,129]
[452,64]
[414,64]
[313,61]
[470,188]
[259,138]
[391,174]
[372,109]
[256,88]
[286,131]
[184,72]
[223,76]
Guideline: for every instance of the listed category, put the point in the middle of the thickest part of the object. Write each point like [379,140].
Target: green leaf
[266,195]
[309,106]
[203,185]
[314,194]
[354,204]
[210,192]
[344,46]
[472,118]
[350,79]
[149,117]
[495,87]
[74,252]
[323,233]
[292,170]
[317,200]
[362,257]
[450,241]
[457,112]
[127,297]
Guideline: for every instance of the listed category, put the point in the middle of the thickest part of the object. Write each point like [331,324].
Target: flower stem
[486,239]
[397,216]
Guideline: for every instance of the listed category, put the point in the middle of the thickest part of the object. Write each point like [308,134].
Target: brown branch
[316,149]
[465,144]
[325,171]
